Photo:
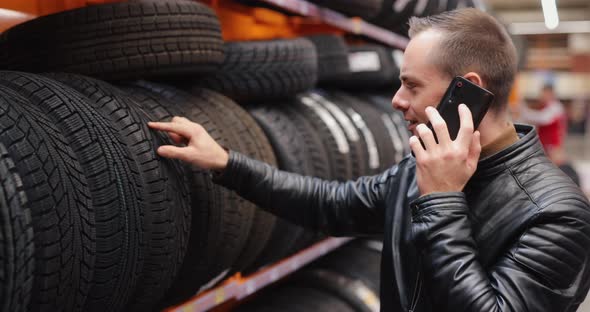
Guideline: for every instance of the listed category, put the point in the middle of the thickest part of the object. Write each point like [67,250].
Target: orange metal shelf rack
[236,288]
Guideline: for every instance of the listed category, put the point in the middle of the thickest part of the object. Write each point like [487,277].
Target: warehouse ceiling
[552,49]
[511,11]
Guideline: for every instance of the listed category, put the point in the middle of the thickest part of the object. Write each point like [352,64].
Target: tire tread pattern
[112,178]
[17,247]
[265,69]
[118,40]
[59,201]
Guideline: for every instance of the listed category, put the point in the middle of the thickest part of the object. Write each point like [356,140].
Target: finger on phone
[416,147]
[475,147]
[426,136]
[438,124]
[466,129]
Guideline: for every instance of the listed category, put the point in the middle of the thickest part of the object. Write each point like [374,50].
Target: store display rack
[238,287]
[353,25]
[241,18]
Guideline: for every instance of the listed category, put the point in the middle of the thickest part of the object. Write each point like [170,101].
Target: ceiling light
[550,13]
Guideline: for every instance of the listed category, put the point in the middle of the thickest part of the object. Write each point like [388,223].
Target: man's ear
[474,77]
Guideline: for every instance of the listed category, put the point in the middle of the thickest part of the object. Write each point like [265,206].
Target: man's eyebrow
[407,77]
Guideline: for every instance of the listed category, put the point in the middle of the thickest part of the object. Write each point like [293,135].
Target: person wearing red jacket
[550,120]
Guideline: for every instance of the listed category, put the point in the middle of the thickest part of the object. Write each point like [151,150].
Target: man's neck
[497,133]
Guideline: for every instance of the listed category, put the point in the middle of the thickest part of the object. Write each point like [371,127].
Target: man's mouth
[411,125]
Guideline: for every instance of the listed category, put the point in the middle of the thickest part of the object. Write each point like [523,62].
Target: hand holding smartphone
[448,162]
[461,90]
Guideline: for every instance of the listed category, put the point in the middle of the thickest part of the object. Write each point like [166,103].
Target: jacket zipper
[417,290]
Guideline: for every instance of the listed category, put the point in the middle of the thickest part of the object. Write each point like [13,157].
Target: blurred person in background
[550,118]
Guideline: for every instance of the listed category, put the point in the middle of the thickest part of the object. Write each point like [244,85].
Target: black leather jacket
[516,239]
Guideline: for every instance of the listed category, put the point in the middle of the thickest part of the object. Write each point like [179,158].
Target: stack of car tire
[92,219]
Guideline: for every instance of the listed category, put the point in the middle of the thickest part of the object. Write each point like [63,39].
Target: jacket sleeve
[335,208]
[541,271]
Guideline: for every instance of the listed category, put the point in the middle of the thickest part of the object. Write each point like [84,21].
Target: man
[550,120]
[482,223]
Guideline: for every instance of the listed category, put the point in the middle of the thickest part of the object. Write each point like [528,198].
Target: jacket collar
[505,139]
[528,145]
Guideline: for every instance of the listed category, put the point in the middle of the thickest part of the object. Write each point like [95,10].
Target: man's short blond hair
[473,41]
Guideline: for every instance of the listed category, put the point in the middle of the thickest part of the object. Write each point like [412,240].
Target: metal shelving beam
[237,288]
[353,25]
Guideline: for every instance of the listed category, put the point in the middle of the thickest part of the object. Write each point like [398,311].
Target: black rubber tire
[219,226]
[355,260]
[255,144]
[379,76]
[366,142]
[436,7]
[373,119]
[331,134]
[293,298]
[458,4]
[318,157]
[292,156]
[288,145]
[258,70]
[354,292]
[359,8]
[317,153]
[359,154]
[332,54]
[17,262]
[397,127]
[423,7]
[249,139]
[167,213]
[113,181]
[118,40]
[394,13]
[59,202]
[236,138]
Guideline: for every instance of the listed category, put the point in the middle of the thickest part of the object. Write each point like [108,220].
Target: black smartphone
[461,90]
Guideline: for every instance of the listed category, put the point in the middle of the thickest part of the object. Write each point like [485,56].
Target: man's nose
[399,103]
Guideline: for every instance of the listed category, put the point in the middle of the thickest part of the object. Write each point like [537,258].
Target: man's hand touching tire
[194,145]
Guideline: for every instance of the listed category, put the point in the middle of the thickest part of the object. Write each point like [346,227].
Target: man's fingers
[475,147]
[179,119]
[426,136]
[416,147]
[177,139]
[466,129]
[175,152]
[438,124]
[176,127]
